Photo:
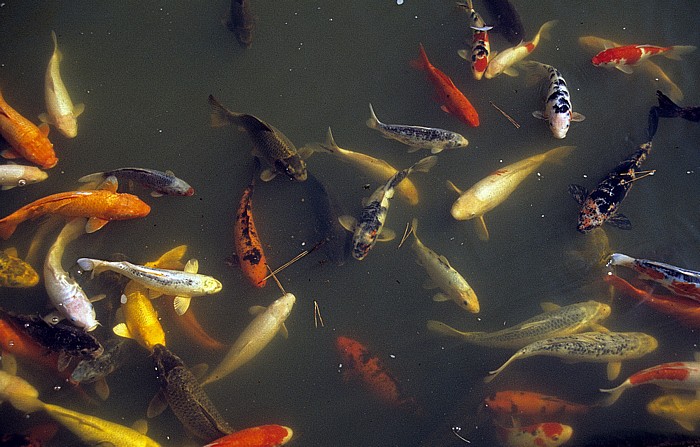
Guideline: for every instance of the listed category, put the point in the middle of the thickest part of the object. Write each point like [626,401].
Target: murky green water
[144,71]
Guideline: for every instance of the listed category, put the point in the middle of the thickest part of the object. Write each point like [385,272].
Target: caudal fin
[557,154]
[373,121]
[544,31]
[668,108]
[422,62]
[675,52]
[220,115]
[7,228]
[425,164]
[614,395]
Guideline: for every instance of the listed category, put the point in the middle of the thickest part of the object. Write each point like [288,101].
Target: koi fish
[368,228]
[249,251]
[418,137]
[268,143]
[64,292]
[556,321]
[100,206]
[452,99]
[503,62]
[26,140]
[507,19]
[557,110]
[669,109]
[241,22]
[545,434]
[599,347]
[376,168]
[601,204]
[15,272]
[531,405]
[161,183]
[480,49]
[186,398]
[337,242]
[682,409]
[624,56]
[60,109]
[674,375]
[95,370]
[189,324]
[492,190]
[266,324]
[18,392]
[680,281]
[262,436]
[360,364]
[12,175]
[685,310]
[184,285]
[453,285]
[17,343]
[94,431]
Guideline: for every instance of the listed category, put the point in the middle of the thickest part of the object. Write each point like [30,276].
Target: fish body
[12,175]
[669,109]
[267,323]
[161,183]
[682,409]
[337,242]
[480,49]
[241,22]
[376,168]
[186,397]
[507,20]
[95,431]
[268,143]
[261,436]
[452,284]
[557,110]
[18,392]
[26,139]
[674,375]
[544,434]
[601,205]
[64,292]
[14,272]
[92,370]
[60,109]
[623,56]
[368,227]
[141,322]
[418,137]
[15,342]
[249,249]
[554,322]
[184,285]
[679,281]
[100,206]
[451,98]
[503,62]
[492,190]
[530,405]
[598,347]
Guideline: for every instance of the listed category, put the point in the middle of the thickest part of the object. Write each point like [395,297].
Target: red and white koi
[675,375]
[624,56]
[481,49]
[557,110]
[503,62]
[545,434]
[680,281]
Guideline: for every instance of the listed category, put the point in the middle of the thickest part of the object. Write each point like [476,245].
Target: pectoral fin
[481,229]
[549,307]
[625,69]
[598,327]
[44,118]
[267,174]
[510,71]
[464,54]
[256,310]
[157,405]
[283,331]
[156,194]
[538,114]
[78,109]
[620,221]
[578,192]
[122,330]
[685,424]
[454,188]
[101,388]
[10,155]
[63,361]
[348,222]
[440,297]
[429,284]
[386,235]
[181,304]
[614,370]
[577,117]
[94,223]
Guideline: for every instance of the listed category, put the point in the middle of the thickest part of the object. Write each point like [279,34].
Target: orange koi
[453,100]
[262,436]
[100,206]
[189,324]
[26,139]
[15,342]
[249,251]
[359,363]
[530,405]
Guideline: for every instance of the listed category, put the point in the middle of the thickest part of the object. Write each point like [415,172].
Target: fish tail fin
[422,62]
[56,52]
[668,108]
[330,145]
[558,154]
[96,177]
[414,228]
[492,374]
[534,71]
[544,32]
[613,395]
[425,164]
[373,121]
[675,52]
[220,115]
[443,329]
[7,227]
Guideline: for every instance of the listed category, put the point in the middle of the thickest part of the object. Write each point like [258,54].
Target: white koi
[12,175]
[503,62]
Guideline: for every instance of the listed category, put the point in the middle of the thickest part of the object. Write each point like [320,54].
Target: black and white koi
[557,110]
[601,204]
[669,109]
[481,49]
[366,231]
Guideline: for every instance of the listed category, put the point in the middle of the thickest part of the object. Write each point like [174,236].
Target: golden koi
[682,409]
[503,62]
[15,272]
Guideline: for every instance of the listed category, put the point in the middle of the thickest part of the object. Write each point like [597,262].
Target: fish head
[468,301]
[164,361]
[559,123]
[129,206]
[75,306]
[590,216]
[32,175]
[464,208]
[67,125]
[211,285]
[293,167]
[283,305]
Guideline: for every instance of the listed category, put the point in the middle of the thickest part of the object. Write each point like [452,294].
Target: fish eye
[21,182]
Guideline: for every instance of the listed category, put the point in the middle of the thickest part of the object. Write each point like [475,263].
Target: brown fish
[241,22]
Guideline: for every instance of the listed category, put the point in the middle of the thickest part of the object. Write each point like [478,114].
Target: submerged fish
[599,347]
[492,190]
[453,285]
[601,205]
[623,57]
[367,230]
[268,143]
[60,109]
[669,109]
[261,436]
[161,183]
[680,408]
[15,272]
[504,61]
[18,392]
[13,175]
[556,321]
[507,20]
[418,137]
[337,243]
[186,398]
[97,369]
[530,405]
[267,323]
[241,22]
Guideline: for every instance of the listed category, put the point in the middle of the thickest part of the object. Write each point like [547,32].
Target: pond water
[144,71]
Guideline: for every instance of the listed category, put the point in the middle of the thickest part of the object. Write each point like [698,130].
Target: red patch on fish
[669,371]
[262,436]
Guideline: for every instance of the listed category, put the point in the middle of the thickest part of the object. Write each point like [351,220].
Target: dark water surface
[144,71]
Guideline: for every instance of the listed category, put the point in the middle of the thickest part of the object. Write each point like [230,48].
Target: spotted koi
[249,250]
[481,49]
